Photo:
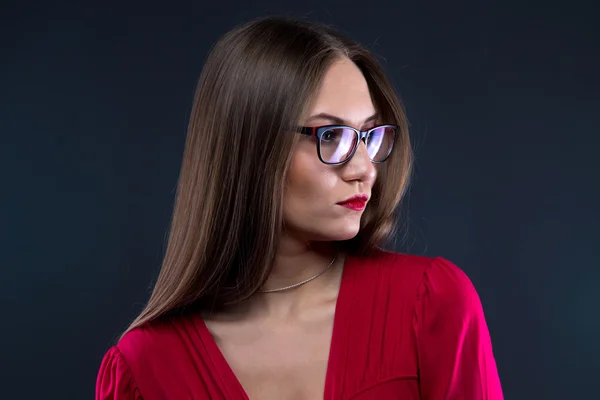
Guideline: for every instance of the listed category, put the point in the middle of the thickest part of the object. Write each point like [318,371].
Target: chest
[283,361]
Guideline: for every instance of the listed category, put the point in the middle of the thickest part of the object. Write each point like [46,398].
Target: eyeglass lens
[337,144]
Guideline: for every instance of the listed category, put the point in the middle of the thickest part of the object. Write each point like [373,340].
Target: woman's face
[313,188]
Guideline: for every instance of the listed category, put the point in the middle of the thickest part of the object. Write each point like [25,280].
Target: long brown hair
[256,86]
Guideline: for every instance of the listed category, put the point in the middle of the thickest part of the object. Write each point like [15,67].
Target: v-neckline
[337,347]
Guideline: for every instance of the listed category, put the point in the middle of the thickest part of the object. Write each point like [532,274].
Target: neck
[295,263]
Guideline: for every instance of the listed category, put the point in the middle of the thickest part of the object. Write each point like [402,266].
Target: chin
[345,232]
[326,229]
[331,235]
[348,236]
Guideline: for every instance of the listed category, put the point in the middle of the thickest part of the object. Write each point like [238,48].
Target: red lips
[359,198]
[356,202]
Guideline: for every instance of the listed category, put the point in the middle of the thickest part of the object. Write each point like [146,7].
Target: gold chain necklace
[301,283]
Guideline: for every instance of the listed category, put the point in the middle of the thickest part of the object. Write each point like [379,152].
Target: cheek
[309,181]
[309,201]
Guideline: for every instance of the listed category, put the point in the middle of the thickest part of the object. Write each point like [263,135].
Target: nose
[360,167]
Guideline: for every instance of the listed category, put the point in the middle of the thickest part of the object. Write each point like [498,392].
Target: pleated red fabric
[406,327]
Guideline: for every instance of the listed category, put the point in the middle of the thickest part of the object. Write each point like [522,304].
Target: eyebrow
[340,121]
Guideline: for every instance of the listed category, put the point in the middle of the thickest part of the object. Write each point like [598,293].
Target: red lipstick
[356,203]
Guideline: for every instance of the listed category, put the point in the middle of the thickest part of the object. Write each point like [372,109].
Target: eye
[327,136]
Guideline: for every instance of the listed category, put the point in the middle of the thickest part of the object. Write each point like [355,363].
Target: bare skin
[277,344]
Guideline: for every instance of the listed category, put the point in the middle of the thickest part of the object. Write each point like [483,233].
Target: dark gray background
[503,104]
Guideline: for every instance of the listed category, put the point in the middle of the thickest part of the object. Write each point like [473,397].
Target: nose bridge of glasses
[362,135]
[362,138]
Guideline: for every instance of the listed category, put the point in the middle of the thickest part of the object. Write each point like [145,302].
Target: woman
[273,284]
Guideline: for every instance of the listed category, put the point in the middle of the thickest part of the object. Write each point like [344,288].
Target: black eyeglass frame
[318,131]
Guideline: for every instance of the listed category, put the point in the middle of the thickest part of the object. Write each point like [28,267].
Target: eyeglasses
[338,143]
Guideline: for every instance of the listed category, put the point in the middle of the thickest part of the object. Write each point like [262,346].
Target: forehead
[344,93]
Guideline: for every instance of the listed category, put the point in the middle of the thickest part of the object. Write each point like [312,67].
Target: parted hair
[257,84]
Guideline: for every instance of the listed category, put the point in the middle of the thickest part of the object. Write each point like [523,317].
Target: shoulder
[447,288]
[154,342]
[390,260]
[115,379]
[420,277]
[156,356]
[447,294]
[392,268]
[124,368]
[385,276]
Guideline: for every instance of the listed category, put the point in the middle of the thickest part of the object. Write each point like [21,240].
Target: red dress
[405,327]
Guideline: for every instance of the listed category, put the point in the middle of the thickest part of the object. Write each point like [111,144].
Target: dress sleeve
[453,342]
[115,380]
